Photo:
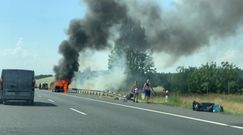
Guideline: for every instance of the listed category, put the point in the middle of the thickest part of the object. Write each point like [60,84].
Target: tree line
[42,76]
[225,78]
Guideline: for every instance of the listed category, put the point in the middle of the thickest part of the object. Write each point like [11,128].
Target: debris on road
[207,107]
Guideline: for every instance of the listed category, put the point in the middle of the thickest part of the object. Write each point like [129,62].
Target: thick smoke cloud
[92,32]
[189,26]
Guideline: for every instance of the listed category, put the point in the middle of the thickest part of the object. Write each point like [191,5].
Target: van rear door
[18,84]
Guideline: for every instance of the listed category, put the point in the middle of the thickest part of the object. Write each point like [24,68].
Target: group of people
[147,90]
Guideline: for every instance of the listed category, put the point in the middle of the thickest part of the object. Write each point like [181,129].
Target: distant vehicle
[17,85]
[43,86]
[207,107]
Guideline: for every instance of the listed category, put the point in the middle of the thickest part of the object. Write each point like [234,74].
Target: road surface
[65,114]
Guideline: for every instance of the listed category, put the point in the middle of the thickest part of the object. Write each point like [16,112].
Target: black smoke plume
[190,25]
[92,32]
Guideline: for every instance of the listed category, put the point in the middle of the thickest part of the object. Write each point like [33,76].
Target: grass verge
[232,103]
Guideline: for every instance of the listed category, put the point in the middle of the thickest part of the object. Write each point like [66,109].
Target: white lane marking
[78,111]
[159,112]
[39,96]
[51,100]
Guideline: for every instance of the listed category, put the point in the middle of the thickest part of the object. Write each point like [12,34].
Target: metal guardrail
[94,92]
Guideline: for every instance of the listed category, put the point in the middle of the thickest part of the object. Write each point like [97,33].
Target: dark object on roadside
[206,107]
[130,96]
[17,85]
[116,98]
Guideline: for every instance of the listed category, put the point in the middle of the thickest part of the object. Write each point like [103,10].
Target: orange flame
[62,84]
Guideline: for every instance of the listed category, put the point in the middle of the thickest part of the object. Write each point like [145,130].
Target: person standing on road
[136,91]
[147,91]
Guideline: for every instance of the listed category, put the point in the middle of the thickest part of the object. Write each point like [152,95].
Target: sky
[31,31]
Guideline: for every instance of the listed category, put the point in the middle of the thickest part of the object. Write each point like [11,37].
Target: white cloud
[18,51]
[17,57]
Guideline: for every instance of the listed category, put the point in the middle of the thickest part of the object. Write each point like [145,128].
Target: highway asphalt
[75,114]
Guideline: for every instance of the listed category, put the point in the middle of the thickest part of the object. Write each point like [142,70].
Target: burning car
[60,86]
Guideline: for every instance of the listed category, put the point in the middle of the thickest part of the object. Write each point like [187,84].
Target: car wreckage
[207,107]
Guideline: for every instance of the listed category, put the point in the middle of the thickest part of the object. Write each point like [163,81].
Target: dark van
[16,84]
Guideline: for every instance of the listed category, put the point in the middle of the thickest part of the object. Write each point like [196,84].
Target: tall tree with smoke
[139,65]
[132,46]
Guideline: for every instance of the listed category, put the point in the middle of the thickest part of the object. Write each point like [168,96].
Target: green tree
[214,79]
[131,51]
